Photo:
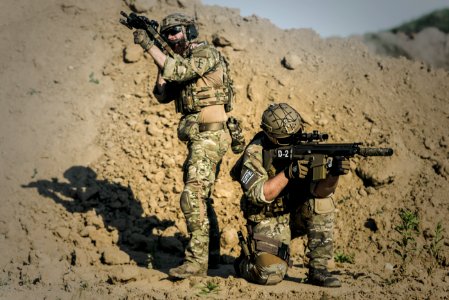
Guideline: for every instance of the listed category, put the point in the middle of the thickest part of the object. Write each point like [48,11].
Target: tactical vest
[276,208]
[193,98]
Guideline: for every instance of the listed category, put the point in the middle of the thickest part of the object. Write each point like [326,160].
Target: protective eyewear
[284,141]
[172,31]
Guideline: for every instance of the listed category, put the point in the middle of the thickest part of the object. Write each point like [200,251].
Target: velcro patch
[248,178]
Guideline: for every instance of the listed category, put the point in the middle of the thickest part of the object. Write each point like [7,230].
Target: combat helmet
[279,122]
[186,23]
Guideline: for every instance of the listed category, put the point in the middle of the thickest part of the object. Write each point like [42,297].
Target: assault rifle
[306,146]
[134,21]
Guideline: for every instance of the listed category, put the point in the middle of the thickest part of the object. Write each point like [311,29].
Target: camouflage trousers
[265,268]
[305,219]
[206,149]
[318,225]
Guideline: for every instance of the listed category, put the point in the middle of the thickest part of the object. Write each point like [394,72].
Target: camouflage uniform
[194,82]
[295,209]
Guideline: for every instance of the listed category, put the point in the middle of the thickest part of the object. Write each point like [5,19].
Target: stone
[291,61]
[133,53]
[113,256]
[229,237]
[124,274]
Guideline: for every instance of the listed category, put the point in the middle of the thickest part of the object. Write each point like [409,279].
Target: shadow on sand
[121,211]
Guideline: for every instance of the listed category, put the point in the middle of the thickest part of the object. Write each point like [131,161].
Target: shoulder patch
[248,178]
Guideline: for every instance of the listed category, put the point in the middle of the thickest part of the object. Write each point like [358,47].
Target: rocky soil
[91,166]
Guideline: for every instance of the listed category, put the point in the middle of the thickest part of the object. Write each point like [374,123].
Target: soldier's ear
[192,32]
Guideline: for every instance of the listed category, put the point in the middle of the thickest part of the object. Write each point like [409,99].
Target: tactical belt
[211,126]
[272,246]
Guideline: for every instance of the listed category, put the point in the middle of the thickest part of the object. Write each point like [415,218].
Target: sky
[335,17]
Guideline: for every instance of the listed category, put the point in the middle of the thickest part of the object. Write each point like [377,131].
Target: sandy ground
[91,166]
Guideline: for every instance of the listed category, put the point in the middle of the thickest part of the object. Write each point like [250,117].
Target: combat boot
[322,277]
[188,269]
[214,261]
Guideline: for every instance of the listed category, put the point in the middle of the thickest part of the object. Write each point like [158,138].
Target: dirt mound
[429,45]
[91,165]
[423,39]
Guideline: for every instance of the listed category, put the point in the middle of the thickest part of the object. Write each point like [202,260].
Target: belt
[212,126]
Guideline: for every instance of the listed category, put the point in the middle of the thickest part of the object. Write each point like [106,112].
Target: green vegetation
[340,257]
[438,19]
[208,288]
[407,245]
[93,79]
[434,248]
[408,229]
[32,92]
[437,241]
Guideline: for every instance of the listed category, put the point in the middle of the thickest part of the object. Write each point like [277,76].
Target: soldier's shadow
[119,210]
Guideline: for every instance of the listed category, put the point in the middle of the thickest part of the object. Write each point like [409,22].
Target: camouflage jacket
[253,176]
[196,80]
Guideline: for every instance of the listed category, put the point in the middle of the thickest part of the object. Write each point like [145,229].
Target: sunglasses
[172,31]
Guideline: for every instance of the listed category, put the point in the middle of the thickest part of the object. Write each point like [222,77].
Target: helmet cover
[281,121]
[175,20]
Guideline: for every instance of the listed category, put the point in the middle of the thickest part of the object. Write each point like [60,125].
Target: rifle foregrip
[376,152]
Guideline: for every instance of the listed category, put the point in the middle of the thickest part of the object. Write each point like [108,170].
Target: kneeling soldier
[279,196]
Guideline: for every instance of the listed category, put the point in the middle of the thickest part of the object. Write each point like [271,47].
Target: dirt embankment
[91,165]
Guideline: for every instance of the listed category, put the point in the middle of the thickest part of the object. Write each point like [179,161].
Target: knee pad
[187,207]
[271,268]
[323,205]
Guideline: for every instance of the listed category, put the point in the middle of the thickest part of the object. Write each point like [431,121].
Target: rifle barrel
[375,152]
[337,149]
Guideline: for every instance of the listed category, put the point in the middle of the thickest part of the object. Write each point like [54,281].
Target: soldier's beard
[179,46]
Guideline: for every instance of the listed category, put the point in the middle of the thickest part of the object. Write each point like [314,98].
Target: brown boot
[188,269]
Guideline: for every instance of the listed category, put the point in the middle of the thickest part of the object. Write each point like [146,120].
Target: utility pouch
[318,166]
[238,140]
[323,205]
[188,127]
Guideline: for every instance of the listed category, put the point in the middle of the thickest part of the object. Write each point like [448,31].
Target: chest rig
[279,206]
[198,93]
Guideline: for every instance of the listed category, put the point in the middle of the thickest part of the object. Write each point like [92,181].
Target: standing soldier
[197,79]
[278,195]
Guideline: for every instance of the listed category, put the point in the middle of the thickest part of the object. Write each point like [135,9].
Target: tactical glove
[340,166]
[238,140]
[297,170]
[141,38]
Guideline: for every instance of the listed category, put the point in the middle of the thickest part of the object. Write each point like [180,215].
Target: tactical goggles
[172,31]
[284,141]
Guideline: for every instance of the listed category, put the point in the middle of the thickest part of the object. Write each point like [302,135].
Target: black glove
[297,170]
[141,38]
[340,166]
